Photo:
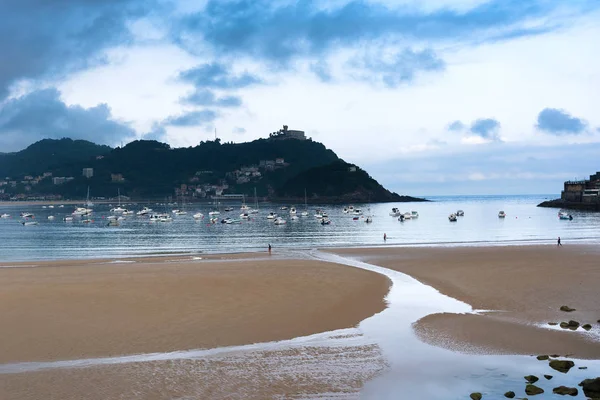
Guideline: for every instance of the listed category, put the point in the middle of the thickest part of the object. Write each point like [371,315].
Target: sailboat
[182,210]
[305,212]
[255,209]
[88,203]
[118,209]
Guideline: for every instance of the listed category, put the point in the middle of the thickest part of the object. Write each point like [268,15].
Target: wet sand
[83,309]
[525,285]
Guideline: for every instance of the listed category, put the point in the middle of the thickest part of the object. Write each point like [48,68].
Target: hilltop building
[285,133]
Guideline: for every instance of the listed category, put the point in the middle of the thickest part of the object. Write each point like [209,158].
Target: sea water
[136,236]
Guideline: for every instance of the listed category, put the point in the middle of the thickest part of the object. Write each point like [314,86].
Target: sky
[431,97]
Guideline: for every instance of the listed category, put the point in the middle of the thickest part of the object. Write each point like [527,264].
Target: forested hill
[276,169]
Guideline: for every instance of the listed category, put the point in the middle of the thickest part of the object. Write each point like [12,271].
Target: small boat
[401,218]
[28,223]
[227,209]
[501,214]
[230,221]
[414,214]
[304,214]
[50,206]
[82,211]
[144,211]
[271,215]
[293,210]
[5,215]
[44,207]
[86,221]
[27,215]
[198,215]
[244,208]
[357,211]
[68,219]
[348,209]
[369,219]
[407,215]
[120,218]
[395,212]
[214,220]
[452,217]
[565,215]
[112,218]
[181,212]
[283,208]
[279,221]
[112,222]
[460,213]
[294,217]
[355,218]
[128,212]
[245,215]
[50,217]
[325,221]
[211,213]
[61,206]
[165,218]
[117,210]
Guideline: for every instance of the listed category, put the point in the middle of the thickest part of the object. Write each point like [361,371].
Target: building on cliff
[585,191]
[285,133]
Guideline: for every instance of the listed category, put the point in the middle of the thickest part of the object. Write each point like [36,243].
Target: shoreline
[518,290]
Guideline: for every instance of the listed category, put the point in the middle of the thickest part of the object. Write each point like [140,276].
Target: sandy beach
[524,285]
[81,309]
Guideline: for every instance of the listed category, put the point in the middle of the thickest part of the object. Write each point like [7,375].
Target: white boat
[227,209]
[279,221]
[305,212]
[369,219]
[88,203]
[325,221]
[120,218]
[5,215]
[44,207]
[61,206]
[407,215]
[144,211]
[68,219]
[293,210]
[198,215]
[86,221]
[50,217]
[452,217]
[294,217]
[210,214]
[82,211]
[214,220]
[26,215]
[244,208]
[128,212]
[180,212]
[348,209]
[28,223]
[165,218]
[112,218]
[414,214]
[460,213]
[271,215]
[357,211]
[395,212]
[50,206]
[283,208]
[564,215]
[319,214]
[118,209]
[501,214]
[245,215]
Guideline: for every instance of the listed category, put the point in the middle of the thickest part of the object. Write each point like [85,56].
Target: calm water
[525,223]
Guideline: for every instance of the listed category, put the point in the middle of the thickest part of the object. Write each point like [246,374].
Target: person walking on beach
[269,248]
[558,242]
[384,237]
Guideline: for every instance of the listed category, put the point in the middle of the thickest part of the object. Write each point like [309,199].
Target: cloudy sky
[430,96]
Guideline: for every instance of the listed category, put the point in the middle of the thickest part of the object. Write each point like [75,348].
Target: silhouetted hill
[146,169]
[47,154]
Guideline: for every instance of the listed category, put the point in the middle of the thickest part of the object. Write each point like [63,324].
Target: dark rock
[587,327]
[591,388]
[562,365]
[532,378]
[542,358]
[563,390]
[548,377]
[476,396]
[533,390]
[573,325]
[510,394]
[553,323]
[554,355]
[567,309]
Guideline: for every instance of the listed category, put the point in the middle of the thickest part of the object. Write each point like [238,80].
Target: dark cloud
[42,114]
[400,68]
[559,122]
[280,31]
[216,75]
[41,38]
[486,128]
[456,126]
[192,118]
[203,97]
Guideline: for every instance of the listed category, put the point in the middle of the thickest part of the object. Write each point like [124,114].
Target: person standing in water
[269,248]
[558,242]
